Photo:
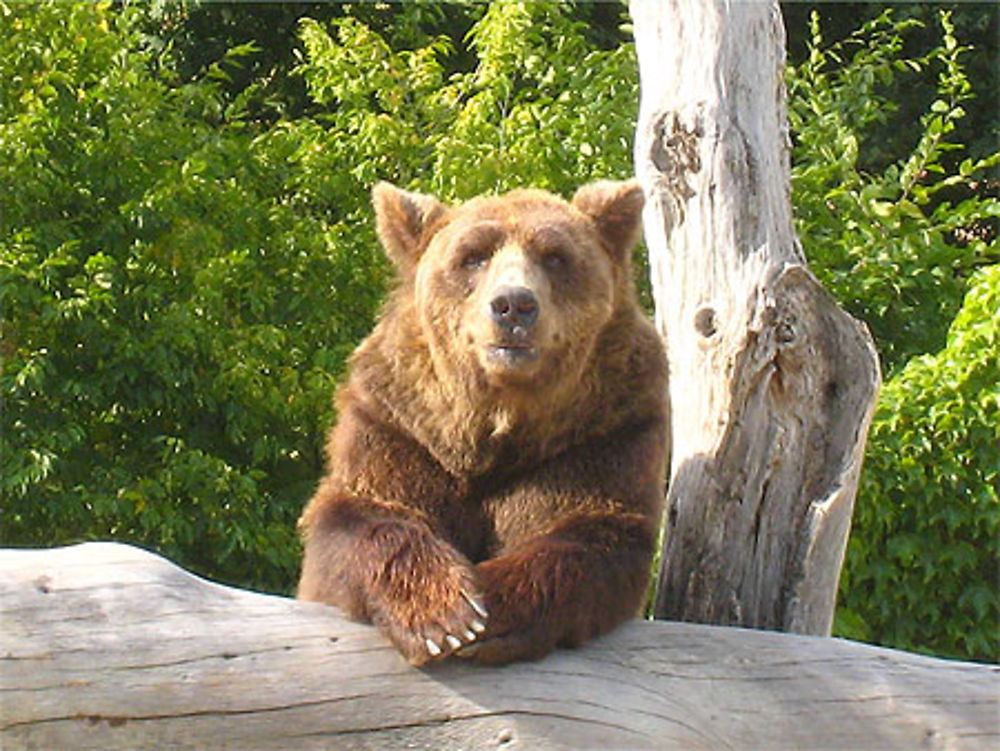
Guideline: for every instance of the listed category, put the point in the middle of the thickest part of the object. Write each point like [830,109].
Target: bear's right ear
[400,220]
[616,209]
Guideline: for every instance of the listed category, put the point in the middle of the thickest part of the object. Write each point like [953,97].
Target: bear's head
[513,290]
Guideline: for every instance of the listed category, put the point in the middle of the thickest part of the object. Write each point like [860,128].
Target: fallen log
[105,646]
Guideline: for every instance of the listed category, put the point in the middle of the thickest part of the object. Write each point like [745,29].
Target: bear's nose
[514,306]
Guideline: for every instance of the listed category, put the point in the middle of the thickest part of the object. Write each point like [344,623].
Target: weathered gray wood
[772,385]
[104,646]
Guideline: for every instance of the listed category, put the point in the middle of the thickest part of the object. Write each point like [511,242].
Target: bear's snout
[512,308]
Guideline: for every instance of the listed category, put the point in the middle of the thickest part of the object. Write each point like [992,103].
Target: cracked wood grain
[161,659]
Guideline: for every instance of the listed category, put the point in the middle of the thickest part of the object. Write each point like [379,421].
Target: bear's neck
[471,427]
[467,426]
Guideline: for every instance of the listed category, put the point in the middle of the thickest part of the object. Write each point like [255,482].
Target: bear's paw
[426,600]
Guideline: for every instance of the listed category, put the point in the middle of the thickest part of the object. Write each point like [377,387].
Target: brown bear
[496,472]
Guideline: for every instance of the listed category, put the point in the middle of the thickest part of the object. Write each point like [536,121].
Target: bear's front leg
[577,536]
[384,564]
[582,579]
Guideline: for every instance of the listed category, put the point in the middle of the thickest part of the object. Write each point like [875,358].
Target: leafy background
[187,256]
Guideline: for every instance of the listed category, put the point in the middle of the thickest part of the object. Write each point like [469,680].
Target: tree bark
[104,646]
[772,385]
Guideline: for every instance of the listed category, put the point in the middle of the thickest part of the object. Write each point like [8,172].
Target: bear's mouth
[511,355]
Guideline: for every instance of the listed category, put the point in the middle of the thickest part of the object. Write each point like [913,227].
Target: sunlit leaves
[925,548]
[175,314]
[540,107]
[923,557]
[884,243]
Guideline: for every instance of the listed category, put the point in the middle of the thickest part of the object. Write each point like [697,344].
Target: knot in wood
[704,321]
[674,152]
[785,332]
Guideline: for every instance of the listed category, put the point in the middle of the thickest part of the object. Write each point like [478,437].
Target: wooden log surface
[105,646]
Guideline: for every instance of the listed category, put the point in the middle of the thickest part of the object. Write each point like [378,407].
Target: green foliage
[885,243]
[897,246]
[976,24]
[540,106]
[176,311]
[921,570]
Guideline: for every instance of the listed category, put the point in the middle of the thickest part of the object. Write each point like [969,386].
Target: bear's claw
[476,604]
[453,644]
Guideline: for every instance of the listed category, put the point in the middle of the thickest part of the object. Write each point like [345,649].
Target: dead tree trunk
[772,385]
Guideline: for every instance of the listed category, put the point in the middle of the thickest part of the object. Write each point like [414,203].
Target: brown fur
[465,478]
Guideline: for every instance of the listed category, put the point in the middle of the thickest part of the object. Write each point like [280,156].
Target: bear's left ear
[400,220]
[616,208]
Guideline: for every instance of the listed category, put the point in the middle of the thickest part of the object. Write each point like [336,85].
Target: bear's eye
[555,260]
[474,259]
